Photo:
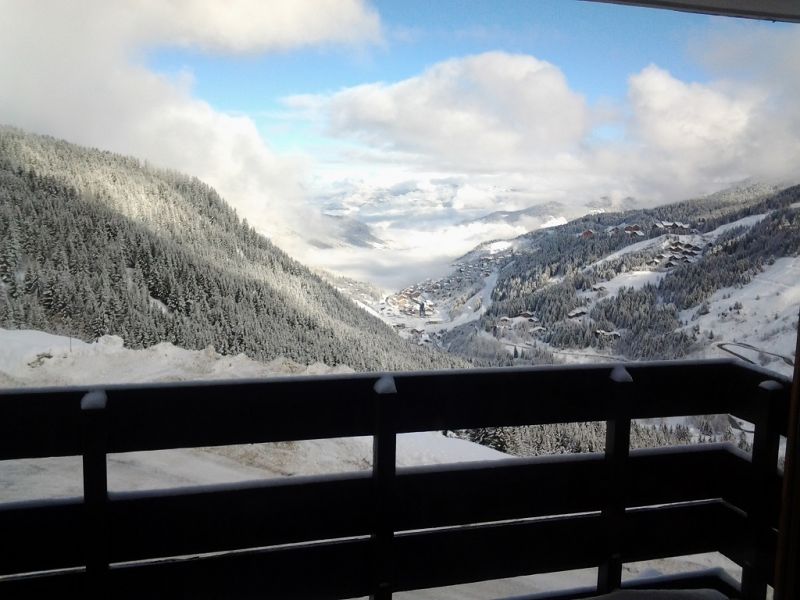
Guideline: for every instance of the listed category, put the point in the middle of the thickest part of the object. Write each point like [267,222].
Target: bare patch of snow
[495,247]
[744,222]
[156,303]
[634,279]
[634,248]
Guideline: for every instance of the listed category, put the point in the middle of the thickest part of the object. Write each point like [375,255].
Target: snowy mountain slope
[93,243]
[609,285]
[663,242]
[724,324]
[757,321]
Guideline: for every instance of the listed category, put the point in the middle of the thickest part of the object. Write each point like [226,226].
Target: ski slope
[767,318]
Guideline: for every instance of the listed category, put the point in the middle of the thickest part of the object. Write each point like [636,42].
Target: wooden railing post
[384,451]
[787,573]
[618,438]
[95,490]
[766,443]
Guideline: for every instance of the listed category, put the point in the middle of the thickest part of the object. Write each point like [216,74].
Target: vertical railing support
[766,443]
[95,490]
[787,573]
[384,452]
[618,439]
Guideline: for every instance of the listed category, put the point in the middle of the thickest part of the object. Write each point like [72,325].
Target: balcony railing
[389,530]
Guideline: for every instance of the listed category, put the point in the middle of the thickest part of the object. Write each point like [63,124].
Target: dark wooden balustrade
[395,529]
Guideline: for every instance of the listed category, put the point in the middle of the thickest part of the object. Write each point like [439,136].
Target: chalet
[632,228]
[587,235]
[537,329]
[670,264]
[674,226]
[527,315]
[577,312]
[598,288]
[607,334]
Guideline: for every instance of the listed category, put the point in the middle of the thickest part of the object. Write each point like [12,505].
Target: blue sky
[596,45]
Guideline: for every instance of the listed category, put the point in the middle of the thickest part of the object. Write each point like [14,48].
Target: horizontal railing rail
[387,530]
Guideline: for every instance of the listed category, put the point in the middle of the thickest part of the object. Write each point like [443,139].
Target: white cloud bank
[502,116]
[485,112]
[73,70]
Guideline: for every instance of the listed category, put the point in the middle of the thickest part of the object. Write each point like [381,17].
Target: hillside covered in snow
[710,277]
[93,243]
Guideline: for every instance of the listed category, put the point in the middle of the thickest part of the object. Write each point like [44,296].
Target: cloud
[766,60]
[415,253]
[258,26]
[74,70]
[493,109]
[511,117]
[676,118]
[696,135]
